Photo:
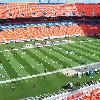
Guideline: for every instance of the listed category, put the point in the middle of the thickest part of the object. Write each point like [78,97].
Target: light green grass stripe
[23,62]
[8,67]
[37,64]
[3,74]
[30,61]
[16,65]
[95,46]
[39,59]
[45,58]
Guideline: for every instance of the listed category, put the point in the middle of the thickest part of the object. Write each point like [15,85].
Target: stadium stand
[27,10]
[24,31]
[93,94]
[35,32]
[39,32]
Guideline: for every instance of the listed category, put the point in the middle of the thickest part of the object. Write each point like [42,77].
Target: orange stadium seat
[88,8]
[80,8]
[97,9]
[37,10]
[13,11]
[3,11]
[48,31]
[93,94]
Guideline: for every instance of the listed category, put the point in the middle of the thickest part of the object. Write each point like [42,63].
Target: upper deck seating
[48,10]
[88,9]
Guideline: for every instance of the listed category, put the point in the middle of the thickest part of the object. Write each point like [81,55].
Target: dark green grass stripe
[8,67]
[96,40]
[92,45]
[54,58]
[89,51]
[39,60]
[61,53]
[83,55]
[24,63]
[95,45]
[92,48]
[86,52]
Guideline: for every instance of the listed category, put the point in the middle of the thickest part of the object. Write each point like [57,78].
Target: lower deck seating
[91,30]
[19,34]
[92,94]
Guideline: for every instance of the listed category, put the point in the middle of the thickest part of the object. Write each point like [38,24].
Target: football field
[26,62]
[17,63]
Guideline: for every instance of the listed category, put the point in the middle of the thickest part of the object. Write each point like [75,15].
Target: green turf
[51,84]
[24,62]
[39,59]
[36,60]
[8,67]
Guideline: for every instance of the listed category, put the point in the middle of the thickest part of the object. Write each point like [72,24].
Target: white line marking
[48,73]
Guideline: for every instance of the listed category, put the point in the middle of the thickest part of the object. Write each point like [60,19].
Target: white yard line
[48,73]
[6,50]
